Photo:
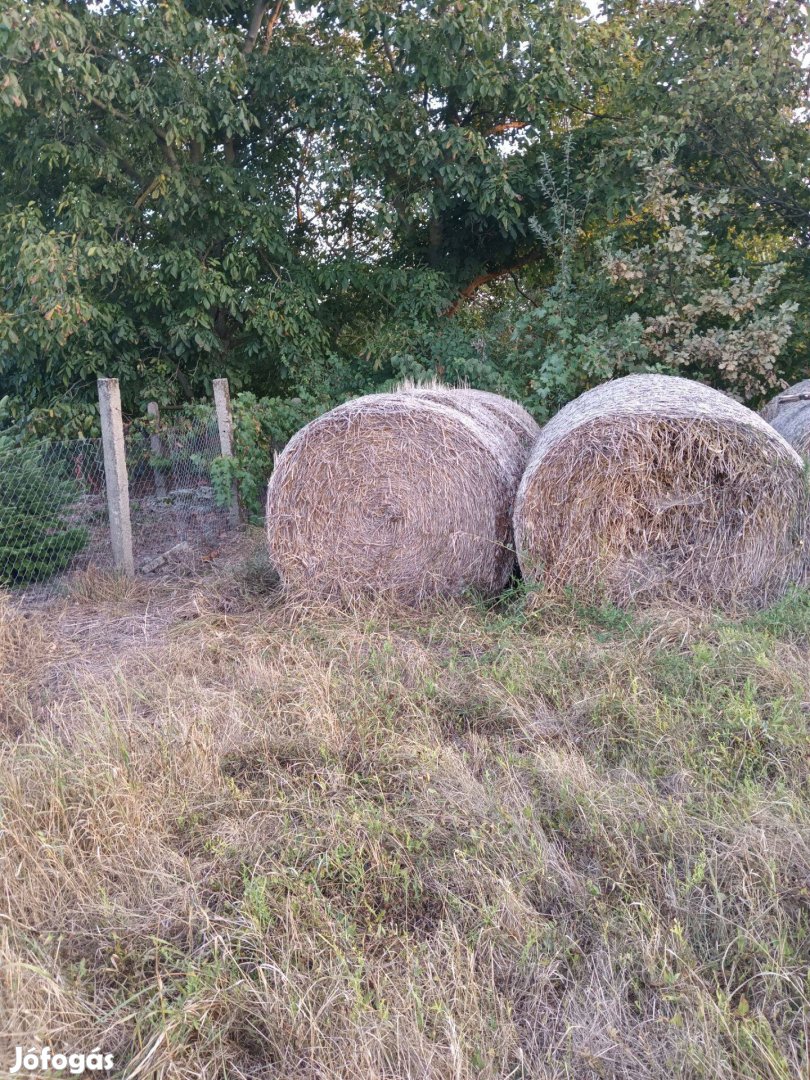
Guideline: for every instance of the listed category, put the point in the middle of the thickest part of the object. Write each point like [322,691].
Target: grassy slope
[458,844]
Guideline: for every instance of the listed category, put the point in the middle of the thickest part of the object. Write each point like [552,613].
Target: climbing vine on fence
[260,427]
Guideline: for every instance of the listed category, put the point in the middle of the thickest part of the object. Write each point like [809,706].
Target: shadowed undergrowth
[535,840]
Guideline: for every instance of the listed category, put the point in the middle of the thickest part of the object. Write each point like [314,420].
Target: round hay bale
[792,418]
[654,485]
[498,434]
[392,493]
[509,412]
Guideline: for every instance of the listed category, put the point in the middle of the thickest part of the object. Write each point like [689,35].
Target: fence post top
[222,391]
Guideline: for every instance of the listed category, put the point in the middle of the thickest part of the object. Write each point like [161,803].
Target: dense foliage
[260,427]
[37,539]
[316,198]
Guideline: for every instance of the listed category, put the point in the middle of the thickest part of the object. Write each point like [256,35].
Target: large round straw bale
[518,418]
[500,436]
[392,493]
[509,412]
[789,413]
[652,485]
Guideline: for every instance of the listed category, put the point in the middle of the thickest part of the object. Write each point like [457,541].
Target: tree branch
[595,115]
[256,19]
[484,278]
[508,125]
[533,300]
[123,164]
[147,191]
[161,136]
[271,25]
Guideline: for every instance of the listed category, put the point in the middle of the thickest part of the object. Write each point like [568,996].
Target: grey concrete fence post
[156,449]
[115,475]
[222,403]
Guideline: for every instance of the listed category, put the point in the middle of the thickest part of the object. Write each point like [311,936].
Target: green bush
[260,426]
[36,539]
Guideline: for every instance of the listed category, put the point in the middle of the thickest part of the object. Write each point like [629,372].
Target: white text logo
[45,1060]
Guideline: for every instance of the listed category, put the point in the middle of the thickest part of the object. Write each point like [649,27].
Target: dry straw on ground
[285,842]
[791,418]
[408,494]
[653,485]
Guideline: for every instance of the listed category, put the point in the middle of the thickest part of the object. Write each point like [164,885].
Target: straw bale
[512,449]
[653,485]
[509,412]
[399,494]
[791,418]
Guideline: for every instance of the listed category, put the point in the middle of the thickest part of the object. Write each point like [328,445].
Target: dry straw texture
[408,494]
[791,418]
[653,485]
[264,841]
[509,412]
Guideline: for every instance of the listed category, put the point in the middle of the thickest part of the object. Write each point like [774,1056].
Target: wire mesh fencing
[54,518]
[176,517]
[53,512]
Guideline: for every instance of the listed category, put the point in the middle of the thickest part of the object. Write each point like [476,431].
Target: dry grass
[654,486]
[408,494]
[295,842]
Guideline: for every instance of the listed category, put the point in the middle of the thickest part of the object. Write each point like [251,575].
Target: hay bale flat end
[654,485]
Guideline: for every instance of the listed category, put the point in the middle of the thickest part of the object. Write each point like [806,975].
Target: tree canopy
[315,198]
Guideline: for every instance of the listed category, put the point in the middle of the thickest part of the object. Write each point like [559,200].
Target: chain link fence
[53,512]
[53,504]
[176,519]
